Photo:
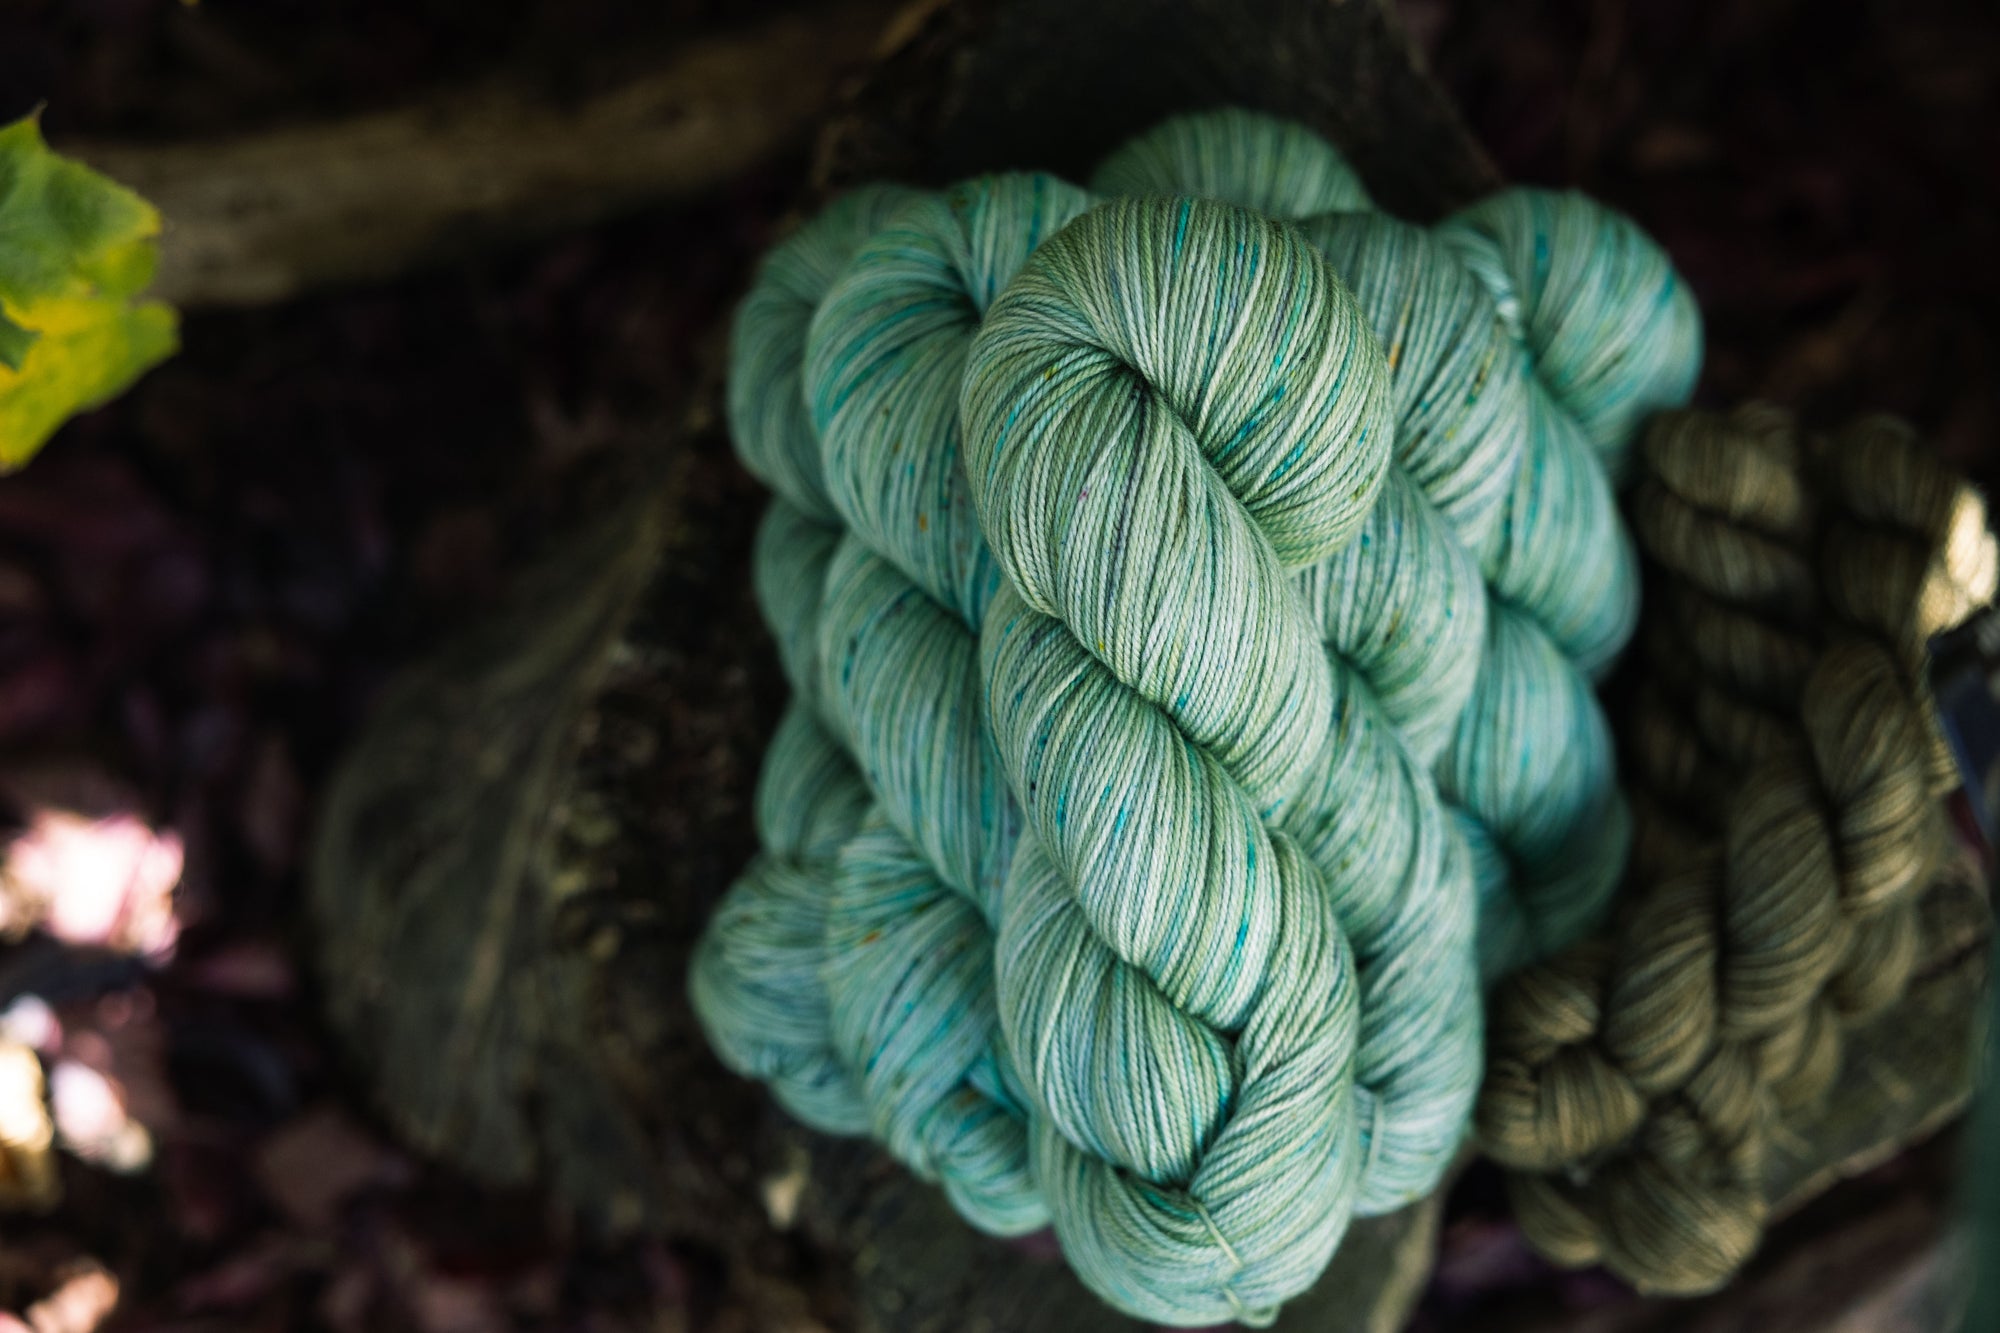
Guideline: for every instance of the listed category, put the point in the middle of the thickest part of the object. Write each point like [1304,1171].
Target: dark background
[202,585]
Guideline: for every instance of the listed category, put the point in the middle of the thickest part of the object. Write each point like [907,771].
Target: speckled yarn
[909,965]
[1139,589]
[1175,405]
[1526,336]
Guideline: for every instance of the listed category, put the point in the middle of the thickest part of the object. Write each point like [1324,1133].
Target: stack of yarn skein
[1192,590]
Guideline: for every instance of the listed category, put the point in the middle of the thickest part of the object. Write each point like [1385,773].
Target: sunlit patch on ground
[106,882]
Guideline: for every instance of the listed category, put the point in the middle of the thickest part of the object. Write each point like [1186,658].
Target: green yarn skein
[1174,405]
[766,408]
[1223,995]
[1526,337]
[898,305]
[909,950]
[755,979]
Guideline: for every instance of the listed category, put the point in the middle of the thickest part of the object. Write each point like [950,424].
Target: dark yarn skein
[1790,766]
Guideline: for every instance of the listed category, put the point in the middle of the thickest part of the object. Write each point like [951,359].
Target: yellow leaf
[76,249]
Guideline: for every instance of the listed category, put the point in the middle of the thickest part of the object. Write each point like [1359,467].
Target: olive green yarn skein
[1636,1081]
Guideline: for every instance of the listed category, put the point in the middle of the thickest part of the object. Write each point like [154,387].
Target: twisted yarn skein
[1635,1081]
[1138,589]
[755,978]
[880,622]
[1175,403]
[1527,336]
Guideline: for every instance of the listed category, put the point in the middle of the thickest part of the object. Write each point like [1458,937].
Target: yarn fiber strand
[908,948]
[1524,336]
[1174,402]
[1191,602]
[1635,1082]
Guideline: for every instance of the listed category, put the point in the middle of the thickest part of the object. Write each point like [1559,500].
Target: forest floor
[203,585]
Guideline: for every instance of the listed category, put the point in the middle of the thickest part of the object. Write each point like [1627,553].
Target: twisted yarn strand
[1635,1081]
[1728,521]
[1525,338]
[1192,659]
[909,937]
[754,980]
[766,406]
[1175,402]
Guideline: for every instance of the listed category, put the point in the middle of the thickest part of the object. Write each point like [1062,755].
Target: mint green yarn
[884,358]
[1459,382]
[1506,467]
[755,978]
[1196,596]
[1530,758]
[1257,162]
[767,415]
[898,668]
[1525,336]
[900,683]
[1174,402]
[1614,332]
[908,970]
[1405,606]
[788,569]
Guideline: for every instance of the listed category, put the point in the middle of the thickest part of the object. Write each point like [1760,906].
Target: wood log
[520,852]
[264,217]
[1053,85]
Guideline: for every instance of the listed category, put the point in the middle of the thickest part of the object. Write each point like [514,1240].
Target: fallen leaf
[75,250]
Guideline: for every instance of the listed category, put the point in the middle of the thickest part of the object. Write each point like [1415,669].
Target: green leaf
[14,341]
[76,250]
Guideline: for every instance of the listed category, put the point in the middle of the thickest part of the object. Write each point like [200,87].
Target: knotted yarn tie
[1656,1062]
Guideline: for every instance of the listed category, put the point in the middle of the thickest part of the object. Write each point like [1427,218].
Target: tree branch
[264,217]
